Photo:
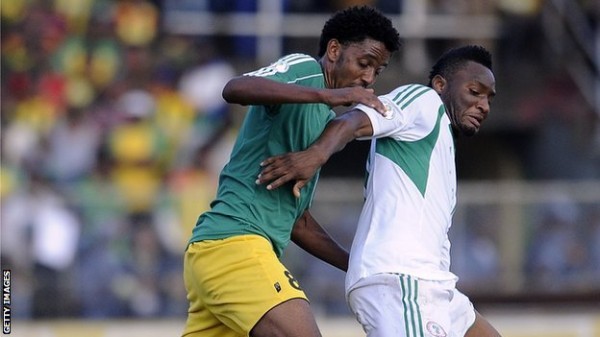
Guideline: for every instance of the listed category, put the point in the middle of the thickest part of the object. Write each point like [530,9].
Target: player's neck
[326,75]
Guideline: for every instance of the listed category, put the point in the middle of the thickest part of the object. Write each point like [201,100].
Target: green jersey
[241,206]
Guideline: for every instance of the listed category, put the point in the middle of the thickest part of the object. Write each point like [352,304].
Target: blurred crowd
[556,241]
[112,136]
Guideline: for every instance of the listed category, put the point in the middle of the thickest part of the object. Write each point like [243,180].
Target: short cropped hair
[357,23]
[455,58]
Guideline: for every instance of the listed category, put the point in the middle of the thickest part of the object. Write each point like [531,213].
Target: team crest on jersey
[281,66]
[389,112]
[435,329]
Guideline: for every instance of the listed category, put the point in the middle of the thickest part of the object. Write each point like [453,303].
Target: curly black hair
[455,58]
[355,24]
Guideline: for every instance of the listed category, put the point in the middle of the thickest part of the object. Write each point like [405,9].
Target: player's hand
[299,166]
[354,95]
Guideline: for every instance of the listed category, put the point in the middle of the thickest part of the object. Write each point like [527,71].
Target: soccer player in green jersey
[235,283]
[399,282]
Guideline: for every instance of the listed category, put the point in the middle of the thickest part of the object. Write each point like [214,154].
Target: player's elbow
[233,90]
[301,228]
[355,124]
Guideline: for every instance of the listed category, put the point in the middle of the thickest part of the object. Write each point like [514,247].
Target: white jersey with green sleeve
[410,192]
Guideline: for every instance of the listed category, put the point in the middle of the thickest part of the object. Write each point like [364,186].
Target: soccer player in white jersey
[399,281]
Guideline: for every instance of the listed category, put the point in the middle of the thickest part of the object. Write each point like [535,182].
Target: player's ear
[439,83]
[334,50]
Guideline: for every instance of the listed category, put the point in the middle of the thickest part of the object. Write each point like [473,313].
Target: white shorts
[398,305]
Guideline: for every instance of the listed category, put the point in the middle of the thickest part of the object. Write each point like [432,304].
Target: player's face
[359,64]
[468,97]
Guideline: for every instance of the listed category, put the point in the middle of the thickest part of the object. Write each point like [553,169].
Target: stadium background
[113,132]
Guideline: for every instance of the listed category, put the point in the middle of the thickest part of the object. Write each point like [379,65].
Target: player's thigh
[203,324]
[200,321]
[391,305]
[376,308]
[466,321]
[481,328]
[292,318]
[240,279]
[462,314]
[384,308]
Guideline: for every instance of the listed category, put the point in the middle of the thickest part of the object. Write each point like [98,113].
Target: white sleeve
[384,126]
[412,113]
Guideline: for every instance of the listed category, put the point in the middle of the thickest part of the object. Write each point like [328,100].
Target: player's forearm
[255,90]
[340,132]
[310,236]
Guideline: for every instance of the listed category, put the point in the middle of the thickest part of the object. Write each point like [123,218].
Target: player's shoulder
[296,63]
[410,95]
[417,104]
[296,58]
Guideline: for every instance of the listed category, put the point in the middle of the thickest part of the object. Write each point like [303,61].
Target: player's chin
[469,130]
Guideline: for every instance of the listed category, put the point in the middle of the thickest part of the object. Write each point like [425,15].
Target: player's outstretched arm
[255,90]
[308,234]
[302,166]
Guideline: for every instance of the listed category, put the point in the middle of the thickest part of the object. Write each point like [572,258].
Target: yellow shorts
[232,283]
